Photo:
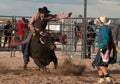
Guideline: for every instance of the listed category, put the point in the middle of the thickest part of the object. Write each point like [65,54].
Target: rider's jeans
[26,53]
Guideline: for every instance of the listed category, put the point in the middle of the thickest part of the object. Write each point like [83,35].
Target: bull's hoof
[25,67]
[39,68]
[56,66]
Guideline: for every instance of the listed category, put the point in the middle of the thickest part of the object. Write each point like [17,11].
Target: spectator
[1,33]
[7,33]
[117,41]
[21,27]
[91,34]
[76,30]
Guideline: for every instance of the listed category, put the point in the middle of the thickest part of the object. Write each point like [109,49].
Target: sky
[95,8]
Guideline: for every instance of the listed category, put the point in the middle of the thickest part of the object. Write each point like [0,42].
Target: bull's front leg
[53,58]
[55,64]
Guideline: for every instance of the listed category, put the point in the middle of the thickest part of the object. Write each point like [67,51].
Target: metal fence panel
[74,46]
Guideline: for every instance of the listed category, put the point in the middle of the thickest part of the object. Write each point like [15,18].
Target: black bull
[42,50]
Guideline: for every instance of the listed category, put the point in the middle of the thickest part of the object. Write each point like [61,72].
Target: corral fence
[72,27]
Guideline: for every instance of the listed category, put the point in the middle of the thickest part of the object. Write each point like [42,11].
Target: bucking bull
[42,50]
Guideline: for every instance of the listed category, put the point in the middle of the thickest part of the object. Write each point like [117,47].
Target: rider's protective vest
[40,24]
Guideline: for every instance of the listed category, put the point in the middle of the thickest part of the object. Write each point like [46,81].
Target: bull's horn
[41,41]
[42,33]
[33,34]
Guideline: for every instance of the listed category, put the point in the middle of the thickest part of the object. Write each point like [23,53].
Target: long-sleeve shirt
[21,26]
[117,33]
[104,36]
[8,29]
[46,19]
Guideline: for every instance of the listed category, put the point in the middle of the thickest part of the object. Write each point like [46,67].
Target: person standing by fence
[76,36]
[1,33]
[105,45]
[7,33]
[117,41]
[21,27]
[91,34]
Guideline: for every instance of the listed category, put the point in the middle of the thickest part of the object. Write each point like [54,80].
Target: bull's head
[48,41]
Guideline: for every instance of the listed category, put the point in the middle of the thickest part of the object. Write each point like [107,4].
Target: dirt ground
[70,71]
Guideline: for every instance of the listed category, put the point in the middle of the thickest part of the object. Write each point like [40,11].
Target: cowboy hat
[44,10]
[103,19]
